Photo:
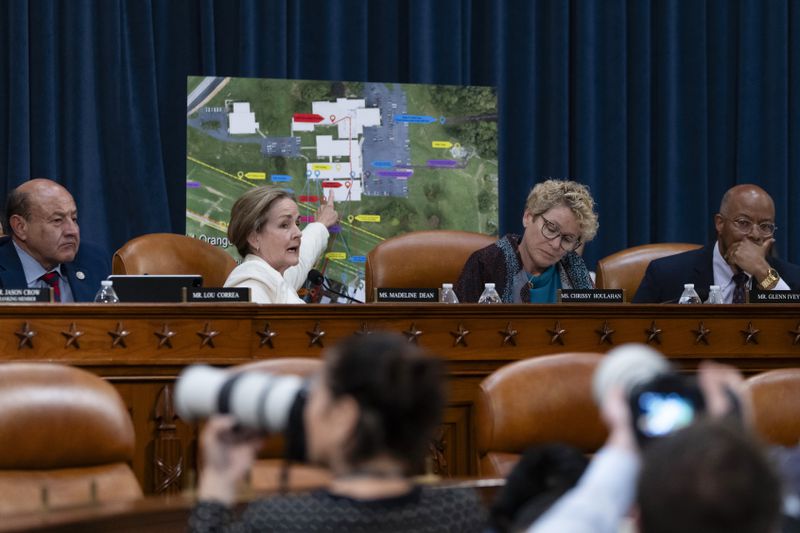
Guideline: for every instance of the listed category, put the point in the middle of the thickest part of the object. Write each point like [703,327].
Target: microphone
[317,278]
[628,366]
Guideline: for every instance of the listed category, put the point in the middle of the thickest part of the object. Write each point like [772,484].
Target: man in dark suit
[43,248]
[737,261]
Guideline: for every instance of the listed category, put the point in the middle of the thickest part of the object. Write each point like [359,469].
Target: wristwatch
[771,280]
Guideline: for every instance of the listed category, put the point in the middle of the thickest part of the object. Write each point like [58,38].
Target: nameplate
[774,297]
[592,296]
[407,295]
[221,294]
[21,296]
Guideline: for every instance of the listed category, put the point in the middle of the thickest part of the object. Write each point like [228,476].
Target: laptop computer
[154,287]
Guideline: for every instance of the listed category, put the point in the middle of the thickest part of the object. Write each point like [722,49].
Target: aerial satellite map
[396,158]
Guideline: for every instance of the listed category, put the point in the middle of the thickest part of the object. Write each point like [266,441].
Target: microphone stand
[327,287]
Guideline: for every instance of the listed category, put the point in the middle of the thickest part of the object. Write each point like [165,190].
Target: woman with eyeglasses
[559,218]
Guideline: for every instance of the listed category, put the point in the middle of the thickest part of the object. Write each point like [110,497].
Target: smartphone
[665,404]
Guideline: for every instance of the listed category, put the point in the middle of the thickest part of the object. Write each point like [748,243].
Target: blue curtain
[659,106]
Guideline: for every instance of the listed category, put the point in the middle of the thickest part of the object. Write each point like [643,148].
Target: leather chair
[536,401]
[170,253]
[775,398]
[266,473]
[423,259]
[625,269]
[67,439]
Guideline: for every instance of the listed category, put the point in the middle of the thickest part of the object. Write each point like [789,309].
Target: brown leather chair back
[536,401]
[775,397]
[266,472]
[170,253]
[625,269]
[66,433]
[423,259]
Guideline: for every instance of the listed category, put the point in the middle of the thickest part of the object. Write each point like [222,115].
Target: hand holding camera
[655,399]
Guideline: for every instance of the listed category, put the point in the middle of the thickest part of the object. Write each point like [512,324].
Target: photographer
[708,476]
[369,418]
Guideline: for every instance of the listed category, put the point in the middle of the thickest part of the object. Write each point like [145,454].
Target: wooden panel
[475,340]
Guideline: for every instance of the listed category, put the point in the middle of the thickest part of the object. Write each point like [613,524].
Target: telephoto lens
[257,400]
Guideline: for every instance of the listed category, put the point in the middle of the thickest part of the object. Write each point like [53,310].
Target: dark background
[659,106]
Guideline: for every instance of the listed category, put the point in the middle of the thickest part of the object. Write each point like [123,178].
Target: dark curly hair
[399,390]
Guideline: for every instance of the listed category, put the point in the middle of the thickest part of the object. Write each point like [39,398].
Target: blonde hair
[249,214]
[552,193]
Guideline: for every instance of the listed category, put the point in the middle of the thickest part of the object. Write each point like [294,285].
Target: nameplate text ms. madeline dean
[406,295]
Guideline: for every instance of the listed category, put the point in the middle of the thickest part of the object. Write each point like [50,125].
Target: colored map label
[336,256]
[416,119]
[396,173]
[256,175]
[336,228]
[442,144]
[321,166]
[382,164]
[331,184]
[278,178]
[368,218]
[442,163]
[193,184]
[306,218]
[308,117]
[307,198]
[358,259]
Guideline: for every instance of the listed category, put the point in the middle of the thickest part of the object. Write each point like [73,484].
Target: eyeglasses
[551,230]
[745,226]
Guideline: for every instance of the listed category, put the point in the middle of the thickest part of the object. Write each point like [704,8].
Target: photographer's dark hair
[400,392]
[542,475]
[711,477]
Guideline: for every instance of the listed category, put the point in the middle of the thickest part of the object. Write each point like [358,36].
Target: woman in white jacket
[277,255]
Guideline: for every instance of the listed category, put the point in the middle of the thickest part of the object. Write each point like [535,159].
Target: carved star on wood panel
[509,335]
[26,335]
[796,333]
[750,334]
[412,333]
[118,336]
[316,336]
[557,333]
[72,335]
[460,335]
[605,333]
[165,336]
[363,330]
[702,333]
[266,335]
[207,335]
[653,333]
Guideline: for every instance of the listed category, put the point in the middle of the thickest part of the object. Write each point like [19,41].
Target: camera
[257,400]
[665,403]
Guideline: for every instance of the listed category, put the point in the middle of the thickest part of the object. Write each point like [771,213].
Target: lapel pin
[80,275]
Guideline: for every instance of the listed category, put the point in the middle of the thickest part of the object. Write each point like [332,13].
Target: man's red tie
[51,278]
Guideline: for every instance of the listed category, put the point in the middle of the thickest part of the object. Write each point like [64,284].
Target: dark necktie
[740,290]
[51,278]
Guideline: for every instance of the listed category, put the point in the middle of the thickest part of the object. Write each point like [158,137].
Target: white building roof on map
[349,115]
[327,147]
[242,121]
